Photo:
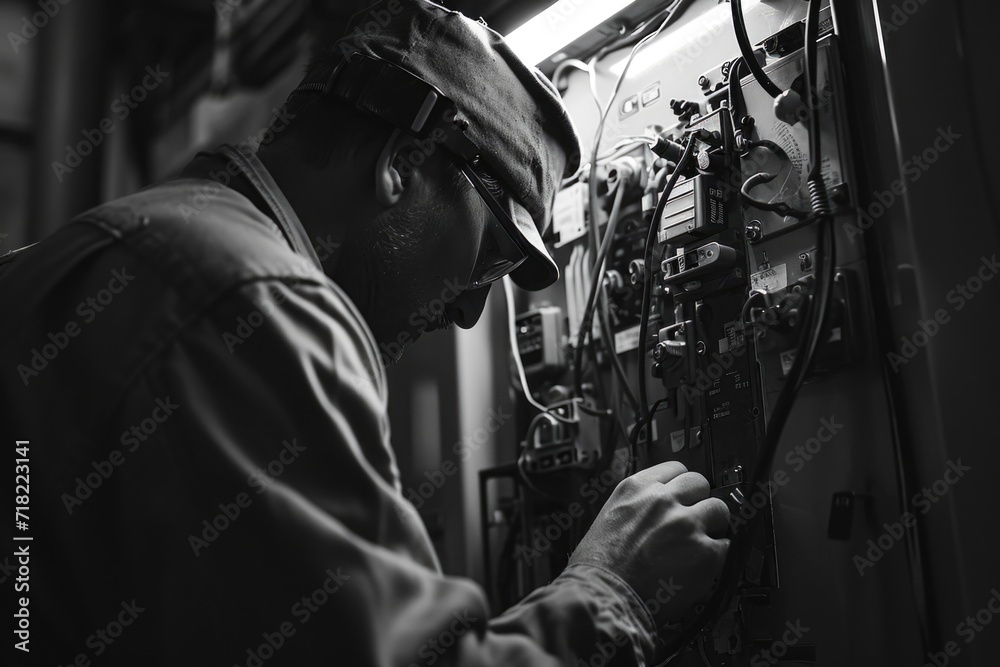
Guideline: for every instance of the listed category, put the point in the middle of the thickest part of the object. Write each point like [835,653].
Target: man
[206,411]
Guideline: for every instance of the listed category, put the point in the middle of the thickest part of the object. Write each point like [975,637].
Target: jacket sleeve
[286,533]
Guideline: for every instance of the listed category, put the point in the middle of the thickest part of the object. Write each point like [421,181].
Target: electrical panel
[706,201]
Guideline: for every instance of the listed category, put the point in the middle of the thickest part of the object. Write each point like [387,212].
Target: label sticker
[568,217]
[627,340]
[677,439]
[735,338]
[787,359]
[769,280]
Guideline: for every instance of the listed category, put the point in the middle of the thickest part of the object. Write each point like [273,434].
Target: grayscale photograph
[499,333]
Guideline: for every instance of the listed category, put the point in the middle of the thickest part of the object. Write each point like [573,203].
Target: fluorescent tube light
[560,25]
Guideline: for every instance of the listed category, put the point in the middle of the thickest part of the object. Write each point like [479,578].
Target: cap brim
[539,270]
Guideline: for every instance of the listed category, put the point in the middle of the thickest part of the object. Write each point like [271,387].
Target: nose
[466,310]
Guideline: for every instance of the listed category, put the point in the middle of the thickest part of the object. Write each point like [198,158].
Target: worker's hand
[662,533]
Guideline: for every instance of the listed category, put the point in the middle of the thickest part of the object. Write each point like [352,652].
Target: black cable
[737,104]
[647,285]
[818,311]
[805,352]
[616,364]
[596,284]
[812,89]
[746,50]
[604,321]
[799,224]
[640,425]
[779,207]
[668,15]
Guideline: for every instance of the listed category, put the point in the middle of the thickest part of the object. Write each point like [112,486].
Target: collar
[252,180]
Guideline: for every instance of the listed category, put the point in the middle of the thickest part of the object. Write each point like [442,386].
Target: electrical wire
[746,310]
[597,289]
[564,65]
[596,283]
[818,311]
[812,91]
[647,286]
[804,356]
[523,474]
[737,105]
[780,207]
[592,182]
[701,652]
[669,14]
[640,425]
[746,49]
[618,84]
[616,364]
[620,149]
[516,352]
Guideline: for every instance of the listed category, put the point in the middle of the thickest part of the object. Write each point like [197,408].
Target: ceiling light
[560,25]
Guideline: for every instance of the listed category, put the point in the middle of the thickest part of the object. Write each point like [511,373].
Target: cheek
[456,249]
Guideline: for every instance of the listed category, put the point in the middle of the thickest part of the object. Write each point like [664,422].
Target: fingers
[713,515]
[719,549]
[661,472]
[689,488]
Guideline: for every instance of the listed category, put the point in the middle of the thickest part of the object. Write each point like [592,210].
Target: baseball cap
[506,108]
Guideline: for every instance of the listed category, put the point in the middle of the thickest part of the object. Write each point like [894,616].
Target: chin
[393,342]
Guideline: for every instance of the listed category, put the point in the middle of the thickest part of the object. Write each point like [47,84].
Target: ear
[390,181]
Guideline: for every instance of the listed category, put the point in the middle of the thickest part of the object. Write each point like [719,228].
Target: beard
[385,272]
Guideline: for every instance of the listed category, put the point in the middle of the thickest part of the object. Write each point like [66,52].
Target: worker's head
[427,206]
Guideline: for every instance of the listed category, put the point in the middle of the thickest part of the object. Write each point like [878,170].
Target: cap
[514,113]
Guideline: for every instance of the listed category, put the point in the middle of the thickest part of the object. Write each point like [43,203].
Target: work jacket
[202,417]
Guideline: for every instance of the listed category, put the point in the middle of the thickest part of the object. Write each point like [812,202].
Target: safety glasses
[409,103]
[499,252]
